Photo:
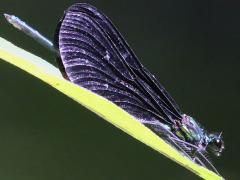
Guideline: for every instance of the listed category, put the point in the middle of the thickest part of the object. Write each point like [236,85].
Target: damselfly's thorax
[190,131]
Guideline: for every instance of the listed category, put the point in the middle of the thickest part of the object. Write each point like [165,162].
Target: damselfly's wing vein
[95,56]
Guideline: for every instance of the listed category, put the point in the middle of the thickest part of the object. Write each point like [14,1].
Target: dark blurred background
[191,46]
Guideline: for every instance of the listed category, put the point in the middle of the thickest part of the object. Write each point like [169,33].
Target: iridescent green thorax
[190,131]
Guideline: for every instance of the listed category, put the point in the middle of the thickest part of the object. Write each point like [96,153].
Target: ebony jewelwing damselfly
[92,54]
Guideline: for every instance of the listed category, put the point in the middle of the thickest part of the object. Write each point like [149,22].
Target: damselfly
[92,54]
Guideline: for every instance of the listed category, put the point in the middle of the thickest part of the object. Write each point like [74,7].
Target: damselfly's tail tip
[7,16]
[10,18]
[15,21]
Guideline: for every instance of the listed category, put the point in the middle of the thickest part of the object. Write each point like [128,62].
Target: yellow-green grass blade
[107,110]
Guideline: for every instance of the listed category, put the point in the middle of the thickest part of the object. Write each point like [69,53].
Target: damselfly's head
[216,144]
[192,132]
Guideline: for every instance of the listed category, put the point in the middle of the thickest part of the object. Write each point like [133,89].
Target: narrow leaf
[99,105]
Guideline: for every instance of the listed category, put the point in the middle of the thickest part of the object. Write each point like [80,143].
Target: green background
[191,46]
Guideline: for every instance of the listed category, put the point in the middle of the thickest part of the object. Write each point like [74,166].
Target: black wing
[95,56]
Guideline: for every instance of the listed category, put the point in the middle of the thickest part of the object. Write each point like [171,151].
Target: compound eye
[216,144]
[219,144]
